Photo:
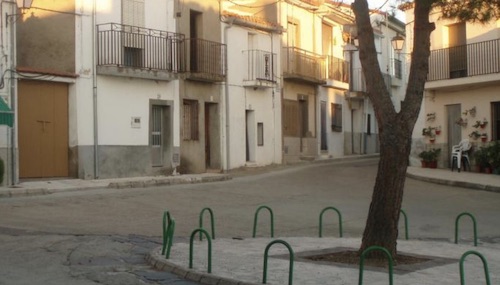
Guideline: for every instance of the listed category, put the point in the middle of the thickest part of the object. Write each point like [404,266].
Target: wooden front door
[43,129]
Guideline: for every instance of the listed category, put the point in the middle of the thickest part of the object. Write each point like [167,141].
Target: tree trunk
[382,222]
[395,129]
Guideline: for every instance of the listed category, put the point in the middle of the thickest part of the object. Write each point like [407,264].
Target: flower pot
[477,168]
[438,132]
[424,164]
[484,139]
[432,164]
[487,170]
[432,140]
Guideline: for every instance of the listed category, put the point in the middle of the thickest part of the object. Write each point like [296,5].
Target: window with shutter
[133,12]
[336,110]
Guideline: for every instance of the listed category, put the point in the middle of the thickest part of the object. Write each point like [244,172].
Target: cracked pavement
[45,258]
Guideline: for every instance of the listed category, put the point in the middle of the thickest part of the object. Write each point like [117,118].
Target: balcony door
[195,25]
[457,40]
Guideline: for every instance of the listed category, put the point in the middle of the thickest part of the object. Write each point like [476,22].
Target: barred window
[336,110]
[190,120]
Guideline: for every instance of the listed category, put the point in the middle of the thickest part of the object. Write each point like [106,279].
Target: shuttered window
[336,110]
[133,12]
[190,120]
[291,125]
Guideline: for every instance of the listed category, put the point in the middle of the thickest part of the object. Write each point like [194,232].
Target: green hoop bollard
[292,257]
[256,216]
[473,224]
[362,262]
[406,223]
[209,269]
[485,266]
[168,234]
[321,220]
[211,221]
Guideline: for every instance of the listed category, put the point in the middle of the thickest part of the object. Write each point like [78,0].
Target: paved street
[100,236]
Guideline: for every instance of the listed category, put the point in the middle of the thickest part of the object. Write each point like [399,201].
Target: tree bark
[395,129]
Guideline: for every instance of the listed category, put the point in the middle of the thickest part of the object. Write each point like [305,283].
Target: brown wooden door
[43,129]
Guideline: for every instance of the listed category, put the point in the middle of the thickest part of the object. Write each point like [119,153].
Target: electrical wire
[22,75]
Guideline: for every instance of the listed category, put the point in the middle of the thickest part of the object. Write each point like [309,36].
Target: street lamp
[351,48]
[397,43]
[24,4]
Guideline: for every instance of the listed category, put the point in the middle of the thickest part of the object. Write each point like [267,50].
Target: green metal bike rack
[292,257]
[168,234]
[362,262]
[211,221]
[473,224]
[209,248]
[256,216]
[406,223]
[321,220]
[485,265]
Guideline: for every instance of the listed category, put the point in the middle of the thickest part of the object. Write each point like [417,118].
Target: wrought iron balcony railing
[261,66]
[359,82]
[135,47]
[338,69]
[303,65]
[207,60]
[465,61]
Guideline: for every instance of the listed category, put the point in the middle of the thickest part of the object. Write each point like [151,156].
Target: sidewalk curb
[463,184]
[157,261]
[164,181]
[168,181]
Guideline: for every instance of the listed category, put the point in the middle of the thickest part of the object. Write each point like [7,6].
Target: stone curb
[159,262]
[168,181]
[463,184]
[23,192]
[18,192]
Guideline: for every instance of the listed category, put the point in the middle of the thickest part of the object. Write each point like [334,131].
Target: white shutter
[133,12]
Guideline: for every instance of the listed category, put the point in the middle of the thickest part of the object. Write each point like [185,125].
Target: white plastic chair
[460,153]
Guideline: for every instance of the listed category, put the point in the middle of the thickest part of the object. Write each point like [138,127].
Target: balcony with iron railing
[207,60]
[303,65]
[131,51]
[479,60]
[261,68]
[359,82]
[338,71]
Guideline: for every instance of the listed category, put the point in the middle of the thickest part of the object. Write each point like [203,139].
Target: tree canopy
[481,11]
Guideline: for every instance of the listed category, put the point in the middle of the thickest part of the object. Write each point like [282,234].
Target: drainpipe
[94,97]
[226,95]
[13,106]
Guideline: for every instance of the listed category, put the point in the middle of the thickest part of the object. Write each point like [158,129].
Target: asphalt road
[100,236]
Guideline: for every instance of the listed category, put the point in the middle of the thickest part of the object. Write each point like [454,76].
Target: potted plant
[480,124]
[484,137]
[427,132]
[494,157]
[475,135]
[438,130]
[481,157]
[429,157]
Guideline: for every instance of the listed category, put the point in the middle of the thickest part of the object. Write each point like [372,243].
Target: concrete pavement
[63,229]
